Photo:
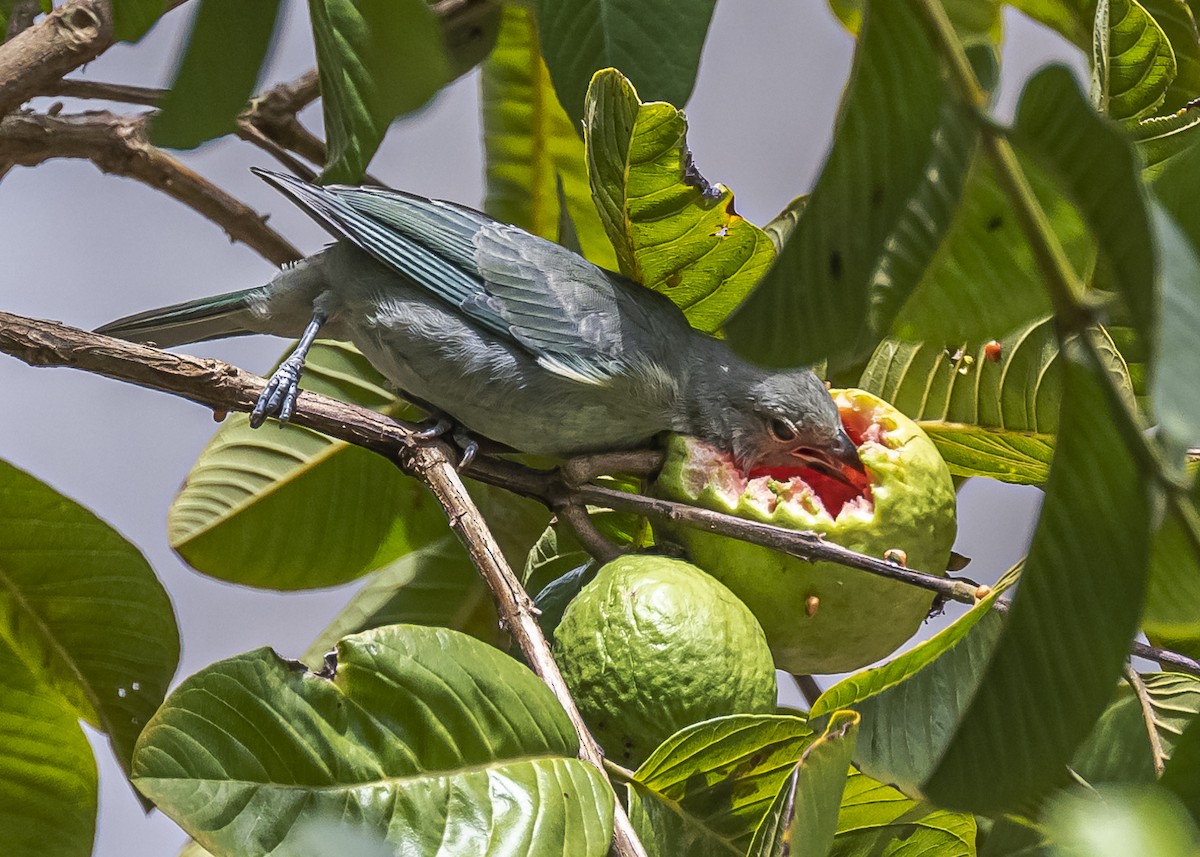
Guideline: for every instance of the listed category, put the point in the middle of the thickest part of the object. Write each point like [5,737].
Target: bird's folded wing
[564,311]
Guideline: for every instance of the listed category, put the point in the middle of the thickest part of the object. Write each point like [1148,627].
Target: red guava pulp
[822,617]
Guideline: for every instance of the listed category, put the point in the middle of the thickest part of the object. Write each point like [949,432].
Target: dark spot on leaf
[692,178]
[995,223]
[674,280]
[835,265]
[877,196]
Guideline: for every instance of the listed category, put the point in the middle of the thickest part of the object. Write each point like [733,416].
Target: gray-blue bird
[514,337]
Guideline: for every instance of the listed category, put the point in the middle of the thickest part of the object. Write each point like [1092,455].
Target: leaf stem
[1143,697]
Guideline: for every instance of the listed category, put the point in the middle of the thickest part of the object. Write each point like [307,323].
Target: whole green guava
[654,644]
[823,617]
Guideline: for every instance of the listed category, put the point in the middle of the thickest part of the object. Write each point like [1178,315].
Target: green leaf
[803,819]
[1096,515]
[656,43]
[1094,163]
[910,705]
[434,585]
[1172,615]
[1179,26]
[1182,775]
[879,209]
[1160,139]
[82,610]
[673,231]
[989,416]
[706,788]
[132,18]
[878,821]
[1173,374]
[377,59]
[1132,61]
[975,21]
[1118,749]
[1177,233]
[532,146]
[1118,821]
[1072,19]
[217,75]
[443,743]
[48,781]
[784,223]
[984,281]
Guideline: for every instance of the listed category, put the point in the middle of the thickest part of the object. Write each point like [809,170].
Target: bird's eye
[782,430]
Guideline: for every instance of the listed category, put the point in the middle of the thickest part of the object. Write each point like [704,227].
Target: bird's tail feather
[194,321]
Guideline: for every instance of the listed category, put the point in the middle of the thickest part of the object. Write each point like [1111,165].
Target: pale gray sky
[84,248]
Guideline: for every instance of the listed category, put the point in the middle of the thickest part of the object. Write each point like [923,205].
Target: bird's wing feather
[560,308]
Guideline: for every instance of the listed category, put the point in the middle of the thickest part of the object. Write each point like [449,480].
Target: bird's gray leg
[279,396]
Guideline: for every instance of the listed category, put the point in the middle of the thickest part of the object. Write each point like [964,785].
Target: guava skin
[857,618]
[655,644]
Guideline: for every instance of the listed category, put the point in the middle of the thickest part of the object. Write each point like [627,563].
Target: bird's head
[787,421]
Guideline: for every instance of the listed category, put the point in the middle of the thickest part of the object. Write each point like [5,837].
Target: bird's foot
[433,428]
[582,469]
[467,444]
[443,426]
[278,398]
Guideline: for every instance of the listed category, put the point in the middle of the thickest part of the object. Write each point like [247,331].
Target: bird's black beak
[839,461]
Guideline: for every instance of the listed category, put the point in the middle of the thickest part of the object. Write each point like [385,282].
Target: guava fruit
[822,617]
[654,644]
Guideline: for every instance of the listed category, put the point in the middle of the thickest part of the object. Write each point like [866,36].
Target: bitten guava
[654,644]
[822,617]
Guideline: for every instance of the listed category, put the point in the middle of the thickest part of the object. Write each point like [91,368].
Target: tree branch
[118,145]
[65,39]
[73,34]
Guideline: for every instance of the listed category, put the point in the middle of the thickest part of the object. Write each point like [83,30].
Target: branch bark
[119,145]
[64,40]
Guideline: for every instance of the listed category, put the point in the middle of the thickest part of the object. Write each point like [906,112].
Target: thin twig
[74,87]
[269,121]
[118,145]
[809,689]
[581,524]
[1157,753]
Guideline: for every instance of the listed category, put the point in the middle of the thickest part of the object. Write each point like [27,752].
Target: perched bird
[514,337]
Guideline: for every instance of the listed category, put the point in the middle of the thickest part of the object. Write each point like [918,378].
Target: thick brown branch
[118,145]
[73,34]
[226,388]
[64,40]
